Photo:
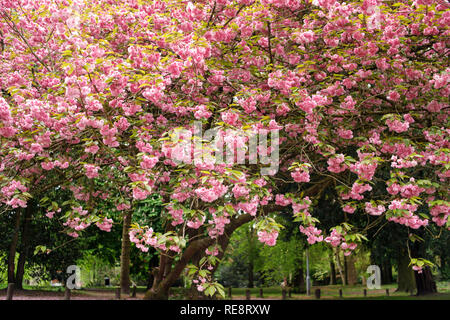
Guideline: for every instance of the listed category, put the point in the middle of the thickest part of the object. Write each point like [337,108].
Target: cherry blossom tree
[102,98]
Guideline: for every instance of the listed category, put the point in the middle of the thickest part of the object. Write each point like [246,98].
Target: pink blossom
[300,175]
[91,171]
[268,237]
[374,211]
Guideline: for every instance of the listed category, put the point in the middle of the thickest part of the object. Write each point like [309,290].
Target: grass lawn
[270,293]
[348,293]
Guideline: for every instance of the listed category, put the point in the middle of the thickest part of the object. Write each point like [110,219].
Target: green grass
[274,293]
[349,293]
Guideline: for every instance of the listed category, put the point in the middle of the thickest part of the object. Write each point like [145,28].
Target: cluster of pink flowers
[144,239]
[407,191]
[91,171]
[212,251]
[401,163]
[302,206]
[177,215]
[313,234]
[109,137]
[397,126]
[240,191]
[407,217]
[148,162]
[123,206]
[250,207]
[349,209]
[268,237]
[300,175]
[9,190]
[345,134]
[50,214]
[200,284]
[281,200]
[440,214]
[356,192]
[366,166]
[92,149]
[374,211]
[230,118]
[218,224]
[76,224]
[336,164]
[105,224]
[51,164]
[216,191]
[12,188]
[196,223]
[202,112]
[80,211]
[337,239]
[348,247]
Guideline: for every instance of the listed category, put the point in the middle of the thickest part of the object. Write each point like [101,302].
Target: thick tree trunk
[345,270]
[25,245]
[425,282]
[352,277]
[125,282]
[406,280]
[299,284]
[164,281]
[152,264]
[13,249]
[386,272]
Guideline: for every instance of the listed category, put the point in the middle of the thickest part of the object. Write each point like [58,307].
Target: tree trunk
[406,280]
[125,255]
[153,262]
[339,266]
[299,284]
[25,245]
[13,249]
[250,275]
[251,256]
[386,272]
[332,271]
[352,277]
[345,270]
[163,282]
[425,282]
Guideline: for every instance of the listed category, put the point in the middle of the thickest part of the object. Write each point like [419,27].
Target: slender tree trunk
[332,271]
[339,266]
[251,257]
[13,249]
[250,275]
[25,245]
[406,280]
[125,282]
